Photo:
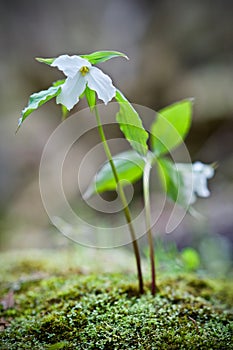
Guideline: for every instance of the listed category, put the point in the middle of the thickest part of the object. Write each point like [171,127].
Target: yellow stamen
[84,70]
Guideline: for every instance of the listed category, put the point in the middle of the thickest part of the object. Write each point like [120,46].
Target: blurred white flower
[194,179]
[80,73]
[201,173]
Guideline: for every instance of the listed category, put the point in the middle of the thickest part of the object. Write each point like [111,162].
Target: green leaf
[131,125]
[102,56]
[176,183]
[169,177]
[59,82]
[91,97]
[38,99]
[171,126]
[48,61]
[129,167]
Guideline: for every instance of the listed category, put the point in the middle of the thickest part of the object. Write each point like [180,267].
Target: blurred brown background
[177,49]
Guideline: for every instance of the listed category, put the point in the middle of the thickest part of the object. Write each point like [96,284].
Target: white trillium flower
[194,177]
[201,173]
[80,74]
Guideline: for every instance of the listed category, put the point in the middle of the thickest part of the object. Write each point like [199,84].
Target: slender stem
[146,193]
[123,200]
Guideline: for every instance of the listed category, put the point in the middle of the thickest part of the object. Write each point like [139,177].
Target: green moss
[73,310]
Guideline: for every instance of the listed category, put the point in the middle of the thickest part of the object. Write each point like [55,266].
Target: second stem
[146,193]
[123,199]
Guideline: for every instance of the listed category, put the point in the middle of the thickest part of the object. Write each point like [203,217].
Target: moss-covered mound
[42,308]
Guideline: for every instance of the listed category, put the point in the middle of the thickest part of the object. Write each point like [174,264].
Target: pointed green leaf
[129,167]
[91,97]
[102,56]
[38,99]
[171,126]
[131,125]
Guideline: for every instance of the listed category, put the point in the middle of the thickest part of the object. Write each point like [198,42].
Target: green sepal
[131,125]
[93,58]
[59,82]
[129,166]
[64,112]
[102,56]
[48,61]
[171,126]
[91,98]
[38,99]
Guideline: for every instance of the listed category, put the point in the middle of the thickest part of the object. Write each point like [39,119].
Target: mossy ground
[70,308]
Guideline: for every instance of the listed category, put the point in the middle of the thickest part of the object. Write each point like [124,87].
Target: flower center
[84,70]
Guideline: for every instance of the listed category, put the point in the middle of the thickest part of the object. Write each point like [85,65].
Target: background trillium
[194,180]
[201,173]
[183,182]
[80,73]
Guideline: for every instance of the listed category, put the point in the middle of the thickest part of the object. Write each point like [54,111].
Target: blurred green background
[177,49]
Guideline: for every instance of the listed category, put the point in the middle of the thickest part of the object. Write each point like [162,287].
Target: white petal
[201,173]
[200,185]
[198,167]
[194,178]
[208,171]
[71,90]
[205,169]
[186,192]
[101,83]
[70,65]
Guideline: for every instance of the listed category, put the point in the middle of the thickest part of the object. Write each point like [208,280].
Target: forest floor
[49,300]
